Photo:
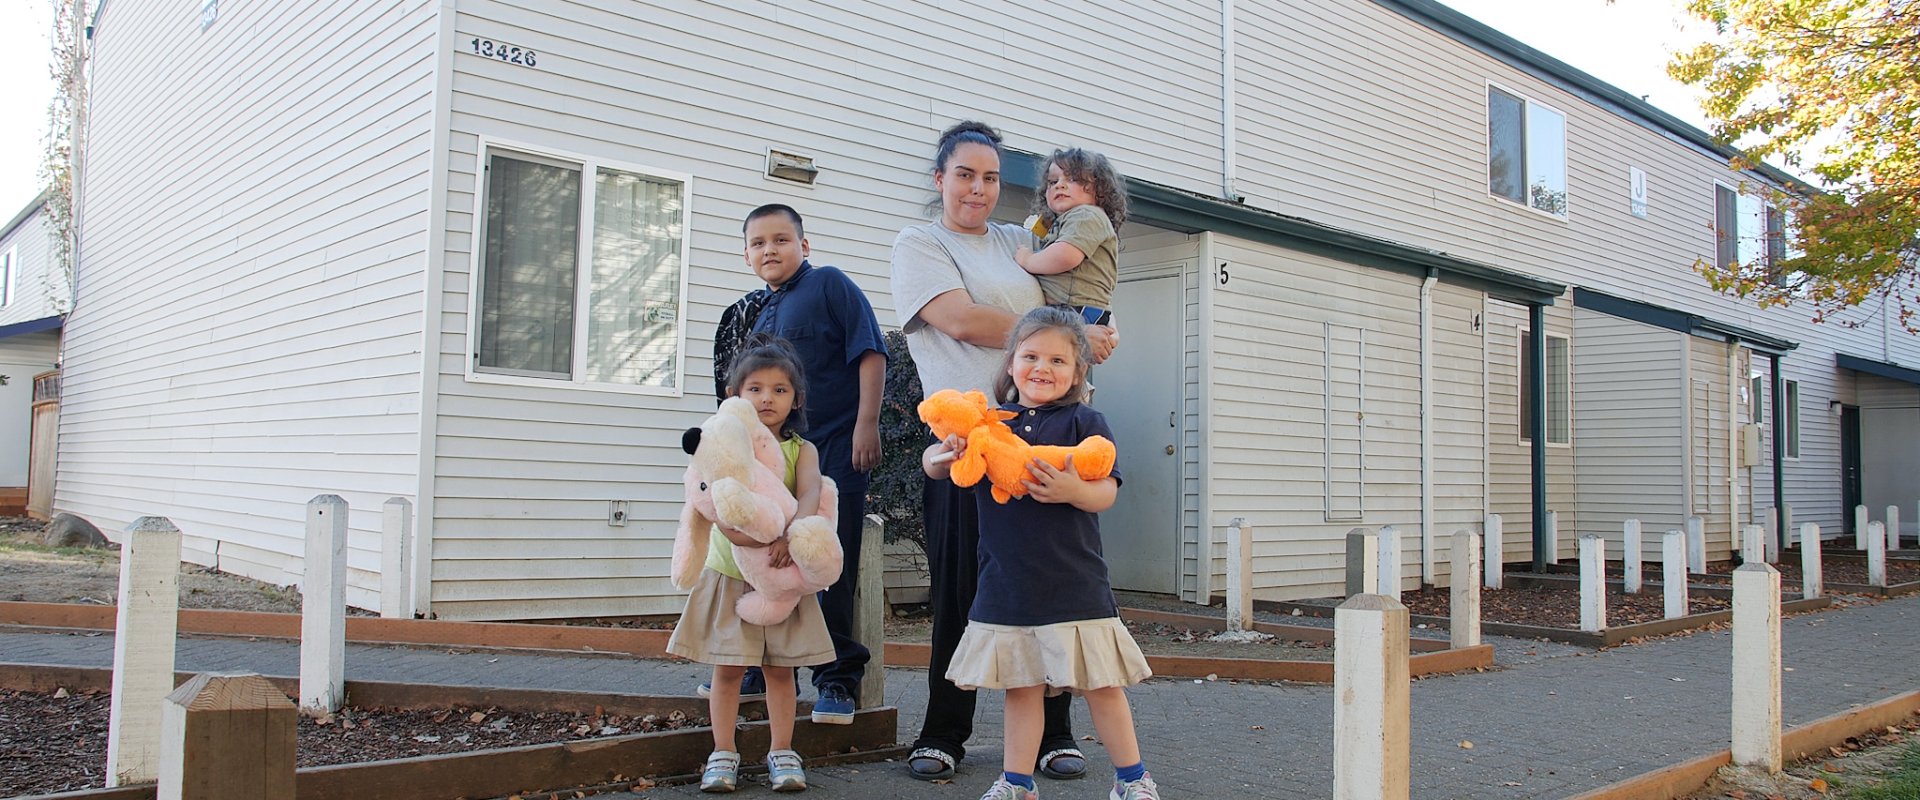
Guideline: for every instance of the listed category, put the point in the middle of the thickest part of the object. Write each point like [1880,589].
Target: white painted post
[1753,546]
[1463,613]
[1371,722]
[1630,555]
[1876,554]
[1593,583]
[396,537]
[1756,667]
[145,622]
[1553,537]
[1812,583]
[1770,538]
[323,607]
[1696,545]
[227,736]
[1496,551]
[1389,570]
[1791,530]
[1239,575]
[870,609]
[1860,527]
[1363,561]
[1673,557]
[1893,527]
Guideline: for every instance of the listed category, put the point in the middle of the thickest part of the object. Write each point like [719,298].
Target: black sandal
[930,764]
[1064,764]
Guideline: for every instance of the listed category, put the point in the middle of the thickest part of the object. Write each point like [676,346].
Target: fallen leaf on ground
[1466,744]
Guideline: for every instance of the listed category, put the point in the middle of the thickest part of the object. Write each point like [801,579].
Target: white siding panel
[1628,456]
[1509,459]
[40,289]
[255,201]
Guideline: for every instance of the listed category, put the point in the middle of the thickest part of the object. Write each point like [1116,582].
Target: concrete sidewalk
[1549,722]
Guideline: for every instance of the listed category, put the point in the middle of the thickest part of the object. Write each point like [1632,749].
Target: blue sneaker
[753,686]
[834,706]
[722,774]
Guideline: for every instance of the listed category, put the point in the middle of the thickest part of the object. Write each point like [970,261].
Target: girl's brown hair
[766,351]
[1048,318]
[1093,171]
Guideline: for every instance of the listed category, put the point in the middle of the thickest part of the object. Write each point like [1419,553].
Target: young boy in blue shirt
[830,324]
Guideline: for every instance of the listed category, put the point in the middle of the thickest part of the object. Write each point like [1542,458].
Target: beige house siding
[1629,453]
[1509,458]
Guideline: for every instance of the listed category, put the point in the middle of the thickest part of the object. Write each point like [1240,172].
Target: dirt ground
[32,572]
[1557,606]
[1837,775]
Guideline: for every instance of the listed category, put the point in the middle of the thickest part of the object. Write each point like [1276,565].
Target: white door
[1139,391]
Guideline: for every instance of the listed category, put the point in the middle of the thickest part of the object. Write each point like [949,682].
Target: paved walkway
[1551,721]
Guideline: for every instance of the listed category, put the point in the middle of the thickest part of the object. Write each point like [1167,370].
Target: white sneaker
[1143,789]
[1002,790]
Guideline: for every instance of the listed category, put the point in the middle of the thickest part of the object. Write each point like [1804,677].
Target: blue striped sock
[1017,779]
[1130,774]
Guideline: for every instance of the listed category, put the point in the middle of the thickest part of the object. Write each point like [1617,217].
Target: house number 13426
[511,54]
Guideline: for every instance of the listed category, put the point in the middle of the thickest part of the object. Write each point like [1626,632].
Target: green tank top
[719,550]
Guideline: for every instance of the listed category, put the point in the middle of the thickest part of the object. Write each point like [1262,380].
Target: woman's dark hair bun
[972,126]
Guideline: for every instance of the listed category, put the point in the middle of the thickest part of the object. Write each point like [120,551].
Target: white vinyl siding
[36,288]
[251,332]
[1345,453]
[1509,459]
[1629,453]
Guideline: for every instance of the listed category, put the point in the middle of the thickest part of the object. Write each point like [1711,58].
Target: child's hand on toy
[777,555]
[938,459]
[1064,485]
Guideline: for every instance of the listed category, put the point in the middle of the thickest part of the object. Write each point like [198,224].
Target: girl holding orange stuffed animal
[1044,619]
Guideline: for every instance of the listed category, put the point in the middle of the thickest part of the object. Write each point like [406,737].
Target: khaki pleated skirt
[711,632]
[1078,655]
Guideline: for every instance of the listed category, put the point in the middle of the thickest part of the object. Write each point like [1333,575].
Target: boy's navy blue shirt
[831,326]
[1041,563]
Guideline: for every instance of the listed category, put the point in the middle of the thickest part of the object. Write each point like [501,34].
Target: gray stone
[67,530]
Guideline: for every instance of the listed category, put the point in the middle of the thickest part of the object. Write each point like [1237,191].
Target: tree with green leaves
[1830,88]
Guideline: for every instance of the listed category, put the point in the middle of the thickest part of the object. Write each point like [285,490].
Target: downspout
[1537,406]
[1779,454]
[1733,442]
[1426,425]
[1229,107]
[432,297]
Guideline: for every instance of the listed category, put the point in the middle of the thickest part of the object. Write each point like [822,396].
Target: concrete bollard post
[1753,545]
[1696,545]
[1893,527]
[1673,566]
[227,736]
[1593,583]
[1463,611]
[1630,555]
[1363,561]
[323,607]
[396,537]
[1239,575]
[1770,537]
[1876,554]
[1371,722]
[1756,667]
[145,622]
[1791,528]
[870,609]
[1389,570]
[1495,560]
[1812,583]
[1553,537]
[1860,527]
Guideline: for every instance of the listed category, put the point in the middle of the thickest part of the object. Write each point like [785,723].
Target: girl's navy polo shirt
[1041,563]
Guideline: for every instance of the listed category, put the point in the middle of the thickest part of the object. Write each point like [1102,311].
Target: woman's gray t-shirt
[928,261]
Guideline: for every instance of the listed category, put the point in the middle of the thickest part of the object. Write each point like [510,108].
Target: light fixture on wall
[791,167]
[1833,407]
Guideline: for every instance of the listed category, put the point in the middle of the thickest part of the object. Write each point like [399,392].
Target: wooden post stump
[145,623]
[396,537]
[1696,545]
[1363,561]
[226,737]
[1389,570]
[1673,572]
[1756,667]
[1371,722]
[1239,575]
[870,610]
[1495,560]
[323,607]
[1593,583]
[1893,527]
[1630,554]
[1876,554]
[1553,537]
[1812,583]
[1860,527]
[1463,614]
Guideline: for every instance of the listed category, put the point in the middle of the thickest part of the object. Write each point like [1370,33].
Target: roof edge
[25,213]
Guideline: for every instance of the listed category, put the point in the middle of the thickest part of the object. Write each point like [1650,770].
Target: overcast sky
[1625,44]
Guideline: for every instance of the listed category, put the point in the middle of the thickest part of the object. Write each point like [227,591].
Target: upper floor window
[1748,230]
[581,272]
[1526,152]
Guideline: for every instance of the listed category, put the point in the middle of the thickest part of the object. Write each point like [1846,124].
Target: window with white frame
[1748,230]
[1559,389]
[1790,418]
[1526,152]
[581,272]
[7,262]
[1756,399]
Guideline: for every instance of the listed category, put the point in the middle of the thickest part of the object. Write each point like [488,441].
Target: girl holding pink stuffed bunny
[710,631]
[1044,619]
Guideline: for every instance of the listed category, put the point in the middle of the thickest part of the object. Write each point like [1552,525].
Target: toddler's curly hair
[1093,170]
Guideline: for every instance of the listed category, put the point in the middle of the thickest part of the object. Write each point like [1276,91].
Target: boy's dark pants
[836,603]
[953,547]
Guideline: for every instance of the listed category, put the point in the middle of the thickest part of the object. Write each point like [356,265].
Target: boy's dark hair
[770,209]
[1099,176]
[764,351]
[1047,318]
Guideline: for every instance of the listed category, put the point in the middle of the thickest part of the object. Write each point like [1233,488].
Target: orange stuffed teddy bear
[993,451]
